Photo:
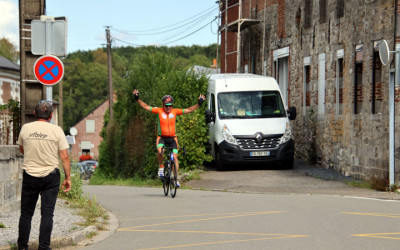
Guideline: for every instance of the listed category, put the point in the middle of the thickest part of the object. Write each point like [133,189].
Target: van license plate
[260,153]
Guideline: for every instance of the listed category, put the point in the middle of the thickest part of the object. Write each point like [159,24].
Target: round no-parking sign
[48,70]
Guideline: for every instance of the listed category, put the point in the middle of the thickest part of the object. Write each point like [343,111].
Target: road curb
[79,238]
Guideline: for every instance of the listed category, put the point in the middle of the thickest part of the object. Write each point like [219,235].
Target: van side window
[212,104]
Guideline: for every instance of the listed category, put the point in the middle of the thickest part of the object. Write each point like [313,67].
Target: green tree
[7,50]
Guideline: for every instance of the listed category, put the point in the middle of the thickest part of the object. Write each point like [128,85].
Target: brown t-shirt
[42,142]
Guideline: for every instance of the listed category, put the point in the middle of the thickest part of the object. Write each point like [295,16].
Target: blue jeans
[48,188]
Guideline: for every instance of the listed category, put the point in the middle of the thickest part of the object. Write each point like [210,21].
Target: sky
[132,22]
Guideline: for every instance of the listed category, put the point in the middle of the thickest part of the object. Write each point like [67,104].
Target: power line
[165,43]
[213,8]
[188,34]
[172,29]
[179,32]
[122,41]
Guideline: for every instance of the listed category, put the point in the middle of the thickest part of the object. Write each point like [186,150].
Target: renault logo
[258,138]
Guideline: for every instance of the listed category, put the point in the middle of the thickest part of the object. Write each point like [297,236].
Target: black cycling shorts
[171,142]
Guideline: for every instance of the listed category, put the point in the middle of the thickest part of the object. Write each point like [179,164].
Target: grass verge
[85,206]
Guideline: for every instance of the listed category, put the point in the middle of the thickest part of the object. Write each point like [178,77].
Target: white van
[248,122]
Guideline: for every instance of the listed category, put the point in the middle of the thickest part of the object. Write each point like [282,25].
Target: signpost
[384,54]
[49,37]
[48,70]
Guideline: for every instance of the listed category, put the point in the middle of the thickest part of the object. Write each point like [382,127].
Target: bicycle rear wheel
[166,178]
[173,180]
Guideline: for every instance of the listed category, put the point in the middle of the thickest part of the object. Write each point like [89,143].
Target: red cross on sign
[48,70]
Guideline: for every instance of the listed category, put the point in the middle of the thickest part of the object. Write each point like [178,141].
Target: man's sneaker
[161,172]
[178,184]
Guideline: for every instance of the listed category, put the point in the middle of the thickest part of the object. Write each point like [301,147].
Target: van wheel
[288,164]
[218,163]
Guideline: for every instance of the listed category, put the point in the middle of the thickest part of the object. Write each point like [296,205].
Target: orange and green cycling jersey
[166,122]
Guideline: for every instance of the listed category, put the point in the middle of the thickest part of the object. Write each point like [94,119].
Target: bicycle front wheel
[173,180]
[166,178]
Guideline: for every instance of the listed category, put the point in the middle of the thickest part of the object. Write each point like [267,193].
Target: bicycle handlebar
[183,148]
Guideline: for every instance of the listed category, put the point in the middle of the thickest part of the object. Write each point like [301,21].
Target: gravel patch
[64,223]
[316,171]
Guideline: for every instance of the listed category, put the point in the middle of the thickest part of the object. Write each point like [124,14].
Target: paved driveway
[303,179]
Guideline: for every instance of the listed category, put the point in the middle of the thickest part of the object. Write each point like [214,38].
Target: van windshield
[252,104]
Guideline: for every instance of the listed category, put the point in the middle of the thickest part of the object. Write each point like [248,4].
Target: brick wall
[93,138]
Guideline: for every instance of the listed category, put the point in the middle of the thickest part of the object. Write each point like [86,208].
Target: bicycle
[170,174]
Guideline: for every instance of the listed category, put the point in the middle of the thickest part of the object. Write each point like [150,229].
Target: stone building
[325,56]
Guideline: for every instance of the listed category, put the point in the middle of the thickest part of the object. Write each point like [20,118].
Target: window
[321,84]
[358,79]
[339,8]
[322,11]
[358,88]
[212,104]
[339,86]
[307,71]
[306,85]
[90,126]
[307,14]
[376,95]
[281,72]
[251,104]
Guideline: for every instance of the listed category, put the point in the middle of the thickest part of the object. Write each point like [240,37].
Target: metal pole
[238,38]
[392,117]
[226,35]
[263,43]
[218,24]
[49,89]
[110,87]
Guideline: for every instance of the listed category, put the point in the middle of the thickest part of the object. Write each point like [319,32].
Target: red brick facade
[89,140]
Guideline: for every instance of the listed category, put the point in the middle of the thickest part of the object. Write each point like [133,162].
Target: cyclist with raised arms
[166,126]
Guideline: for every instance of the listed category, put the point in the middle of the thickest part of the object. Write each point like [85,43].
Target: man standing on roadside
[41,143]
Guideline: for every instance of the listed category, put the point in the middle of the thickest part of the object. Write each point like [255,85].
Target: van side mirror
[210,117]
[292,113]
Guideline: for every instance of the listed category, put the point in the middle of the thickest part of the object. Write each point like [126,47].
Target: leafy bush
[129,146]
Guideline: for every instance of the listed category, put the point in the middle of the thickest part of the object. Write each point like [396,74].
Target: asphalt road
[252,208]
[198,219]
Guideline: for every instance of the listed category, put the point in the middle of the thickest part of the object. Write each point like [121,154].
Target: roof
[7,64]
[241,82]
[237,76]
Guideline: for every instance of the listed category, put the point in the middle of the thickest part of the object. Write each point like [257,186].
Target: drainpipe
[395,25]
[392,102]
[264,70]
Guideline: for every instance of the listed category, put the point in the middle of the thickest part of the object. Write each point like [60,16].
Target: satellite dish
[73,131]
[384,53]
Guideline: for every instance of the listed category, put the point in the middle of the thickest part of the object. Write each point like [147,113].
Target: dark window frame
[307,13]
[340,8]
[322,11]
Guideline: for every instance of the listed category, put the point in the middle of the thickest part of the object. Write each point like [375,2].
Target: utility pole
[31,90]
[110,87]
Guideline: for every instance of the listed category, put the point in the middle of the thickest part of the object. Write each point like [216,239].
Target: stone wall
[10,178]
[354,141]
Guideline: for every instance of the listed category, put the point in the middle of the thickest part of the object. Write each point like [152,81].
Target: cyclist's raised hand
[201,99]
[136,94]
